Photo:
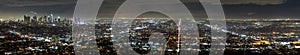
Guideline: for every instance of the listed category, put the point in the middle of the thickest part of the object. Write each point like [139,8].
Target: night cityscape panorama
[47,27]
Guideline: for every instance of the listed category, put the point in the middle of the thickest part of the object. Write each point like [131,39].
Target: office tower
[51,17]
[45,19]
[40,19]
[34,19]
[26,18]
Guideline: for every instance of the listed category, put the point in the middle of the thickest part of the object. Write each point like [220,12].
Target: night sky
[15,9]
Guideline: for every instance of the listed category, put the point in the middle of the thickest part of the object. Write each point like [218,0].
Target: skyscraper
[51,17]
[34,19]
[40,19]
[26,18]
[45,19]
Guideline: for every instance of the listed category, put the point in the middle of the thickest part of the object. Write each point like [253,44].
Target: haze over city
[234,9]
[250,27]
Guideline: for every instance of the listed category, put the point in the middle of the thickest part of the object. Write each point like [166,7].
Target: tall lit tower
[51,17]
[26,18]
[40,19]
[34,19]
[45,19]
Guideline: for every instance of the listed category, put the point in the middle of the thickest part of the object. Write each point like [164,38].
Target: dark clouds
[21,3]
[236,2]
[257,2]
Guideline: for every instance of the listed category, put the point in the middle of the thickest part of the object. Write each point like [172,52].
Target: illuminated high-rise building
[34,19]
[51,17]
[40,19]
[45,19]
[26,18]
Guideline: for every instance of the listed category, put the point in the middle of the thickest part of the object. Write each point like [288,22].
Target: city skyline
[156,27]
[11,9]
